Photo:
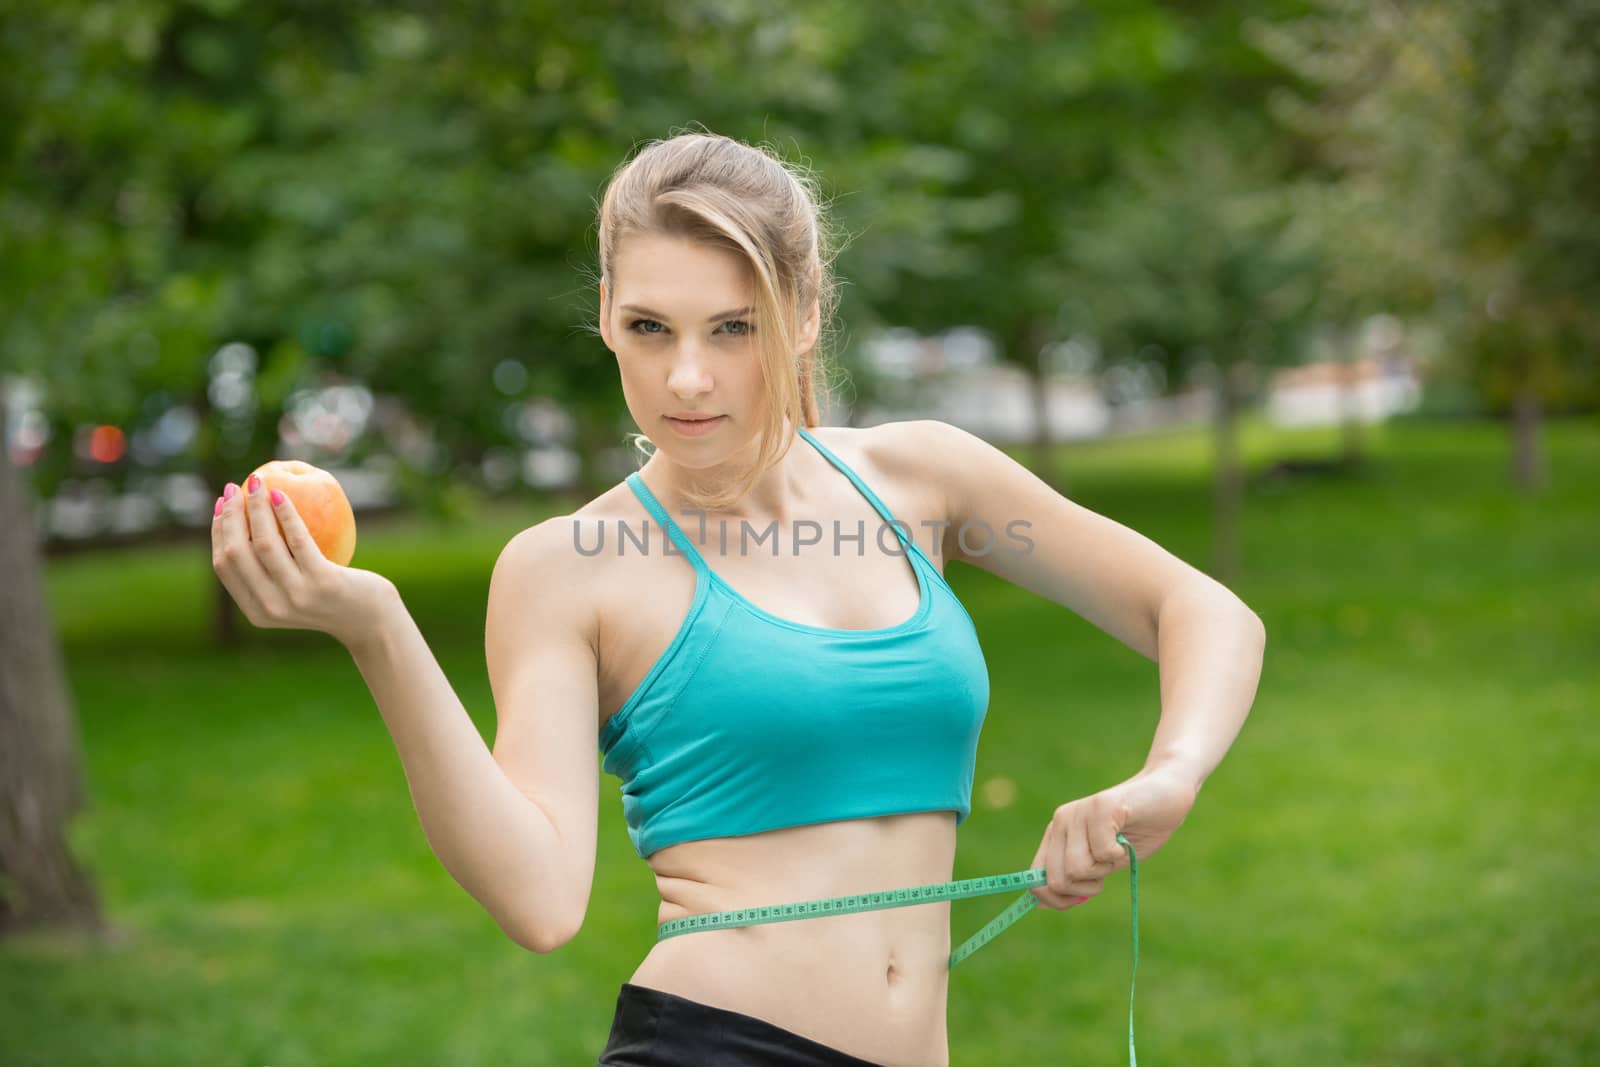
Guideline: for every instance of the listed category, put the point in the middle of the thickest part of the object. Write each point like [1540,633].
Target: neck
[778,495]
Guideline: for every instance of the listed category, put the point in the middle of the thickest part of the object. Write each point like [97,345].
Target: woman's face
[681,324]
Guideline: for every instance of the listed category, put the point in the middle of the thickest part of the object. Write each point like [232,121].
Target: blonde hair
[727,194]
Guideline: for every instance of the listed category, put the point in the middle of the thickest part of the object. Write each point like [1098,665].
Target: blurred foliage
[1461,142]
[404,194]
[1200,260]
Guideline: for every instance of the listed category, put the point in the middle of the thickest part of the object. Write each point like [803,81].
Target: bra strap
[664,520]
[881,508]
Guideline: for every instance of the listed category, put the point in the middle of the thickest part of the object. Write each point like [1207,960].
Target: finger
[1058,880]
[302,546]
[266,539]
[1052,855]
[1073,892]
[1081,865]
[232,558]
[1047,858]
[1107,851]
[1084,876]
[1047,896]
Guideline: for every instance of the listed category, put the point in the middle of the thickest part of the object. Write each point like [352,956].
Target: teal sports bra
[750,722]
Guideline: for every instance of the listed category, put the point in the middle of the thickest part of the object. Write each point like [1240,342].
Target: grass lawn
[1396,864]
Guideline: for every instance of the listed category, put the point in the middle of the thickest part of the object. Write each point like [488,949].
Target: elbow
[539,936]
[1256,624]
[540,941]
[1257,631]
[545,945]
[1251,619]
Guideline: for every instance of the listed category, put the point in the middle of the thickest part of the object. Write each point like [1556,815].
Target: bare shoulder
[900,449]
[563,556]
[922,452]
[554,563]
[962,469]
[911,460]
[565,540]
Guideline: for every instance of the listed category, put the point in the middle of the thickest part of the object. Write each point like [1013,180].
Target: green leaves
[408,194]
[1462,142]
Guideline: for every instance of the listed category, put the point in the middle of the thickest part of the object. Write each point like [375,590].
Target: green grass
[1396,864]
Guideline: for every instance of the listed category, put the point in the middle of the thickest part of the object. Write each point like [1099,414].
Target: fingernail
[255,482]
[218,510]
[227,494]
[277,498]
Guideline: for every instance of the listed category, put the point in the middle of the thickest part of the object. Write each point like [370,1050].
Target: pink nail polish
[255,482]
[227,494]
[277,498]
[218,510]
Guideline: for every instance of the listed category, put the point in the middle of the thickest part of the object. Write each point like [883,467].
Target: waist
[798,863]
[864,988]
[896,943]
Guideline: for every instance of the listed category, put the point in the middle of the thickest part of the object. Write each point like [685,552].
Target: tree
[40,786]
[1464,138]
[991,124]
[1201,258]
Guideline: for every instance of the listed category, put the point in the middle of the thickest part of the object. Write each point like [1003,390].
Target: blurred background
[1307,291]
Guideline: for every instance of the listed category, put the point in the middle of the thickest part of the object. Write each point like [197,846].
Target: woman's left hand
[1080,844]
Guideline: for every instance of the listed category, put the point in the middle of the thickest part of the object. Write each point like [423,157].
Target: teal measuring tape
[922,894]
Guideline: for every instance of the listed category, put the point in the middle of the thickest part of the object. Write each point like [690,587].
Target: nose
[690,375]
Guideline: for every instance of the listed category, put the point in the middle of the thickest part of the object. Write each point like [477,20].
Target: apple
[318,499]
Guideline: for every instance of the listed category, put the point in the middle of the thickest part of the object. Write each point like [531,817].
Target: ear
[605,317]
[809,328]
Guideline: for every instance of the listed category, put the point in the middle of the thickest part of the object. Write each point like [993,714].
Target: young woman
[756,629]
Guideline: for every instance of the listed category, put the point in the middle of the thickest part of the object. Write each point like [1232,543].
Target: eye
[635,326]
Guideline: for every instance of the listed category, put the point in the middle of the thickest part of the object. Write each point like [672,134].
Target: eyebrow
[718,317]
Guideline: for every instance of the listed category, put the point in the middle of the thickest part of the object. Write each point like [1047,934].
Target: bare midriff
[872,983]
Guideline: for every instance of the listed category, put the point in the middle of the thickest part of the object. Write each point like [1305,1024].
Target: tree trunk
[1227,480]
[1349,397]
[1528,466]
[40,787]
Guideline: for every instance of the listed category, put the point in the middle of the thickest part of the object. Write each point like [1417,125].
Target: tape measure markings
[890,898]
[922,894]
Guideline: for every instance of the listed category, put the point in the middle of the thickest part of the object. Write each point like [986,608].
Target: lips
[694,427]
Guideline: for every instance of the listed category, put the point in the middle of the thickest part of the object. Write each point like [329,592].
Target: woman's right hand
[281,579]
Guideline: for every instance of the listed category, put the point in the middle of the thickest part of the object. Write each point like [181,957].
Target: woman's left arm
[1207,643]
[1209,651]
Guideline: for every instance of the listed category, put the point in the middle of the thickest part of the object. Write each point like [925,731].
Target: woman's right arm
[516,829]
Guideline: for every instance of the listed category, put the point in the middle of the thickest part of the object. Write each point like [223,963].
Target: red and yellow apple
[318,499]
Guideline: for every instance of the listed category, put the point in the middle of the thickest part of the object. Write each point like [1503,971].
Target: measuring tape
[922,894]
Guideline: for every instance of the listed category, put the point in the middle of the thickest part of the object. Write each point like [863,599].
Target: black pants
[653,1028]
